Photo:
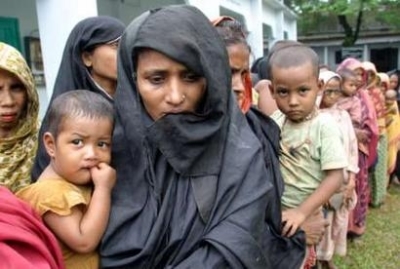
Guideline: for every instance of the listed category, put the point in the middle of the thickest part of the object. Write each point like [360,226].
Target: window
[268,37]
[9,32]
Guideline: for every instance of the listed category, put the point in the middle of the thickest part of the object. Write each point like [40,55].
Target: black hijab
[88,33]
[259,69]
[73,74]
[190,189]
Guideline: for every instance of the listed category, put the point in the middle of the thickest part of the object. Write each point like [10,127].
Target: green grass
[379,247]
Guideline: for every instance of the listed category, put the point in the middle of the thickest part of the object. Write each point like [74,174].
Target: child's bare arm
[350,185]
[295,217]
[82,232]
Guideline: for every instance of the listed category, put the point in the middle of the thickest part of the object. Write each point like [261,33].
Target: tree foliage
[349,14]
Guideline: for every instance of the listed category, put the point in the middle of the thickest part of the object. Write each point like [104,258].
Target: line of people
[145,158]
[364,104]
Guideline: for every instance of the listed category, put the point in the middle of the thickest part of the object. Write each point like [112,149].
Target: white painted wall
[290,26]
[254,22]
[57,18]
[269,18]
[208,7]
[127,10]
[238,6]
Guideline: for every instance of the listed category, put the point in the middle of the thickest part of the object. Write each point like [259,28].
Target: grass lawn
[379,248]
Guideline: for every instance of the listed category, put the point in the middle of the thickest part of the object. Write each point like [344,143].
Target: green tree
[350,14]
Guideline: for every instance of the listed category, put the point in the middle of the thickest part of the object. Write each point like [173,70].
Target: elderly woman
[19,107]
[190,191]
[89,62]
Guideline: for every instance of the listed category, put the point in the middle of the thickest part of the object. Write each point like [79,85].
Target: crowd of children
[363,102]
[355,99]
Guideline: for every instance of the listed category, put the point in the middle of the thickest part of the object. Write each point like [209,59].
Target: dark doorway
[385,59]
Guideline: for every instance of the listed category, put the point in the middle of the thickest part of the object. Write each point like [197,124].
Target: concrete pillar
[56,18]
[326,55]
[254,23]
[366,54]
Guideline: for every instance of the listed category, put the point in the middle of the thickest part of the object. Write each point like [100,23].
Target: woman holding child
[267,131]
[367,135]
[190,190]
[392,121]
[378,178]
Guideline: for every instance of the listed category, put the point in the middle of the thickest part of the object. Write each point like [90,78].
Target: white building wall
[254,24]
[289,25]
[56,18]
[269,17]
[209,7]
[127,10]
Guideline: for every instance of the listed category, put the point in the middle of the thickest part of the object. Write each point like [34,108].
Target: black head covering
[259,69]
[73,74]
[88,33]
[190,191]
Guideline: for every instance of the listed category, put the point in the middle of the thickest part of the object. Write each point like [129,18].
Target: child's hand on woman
[314,227]
[291,220]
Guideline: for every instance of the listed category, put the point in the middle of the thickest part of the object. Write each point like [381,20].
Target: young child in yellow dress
[73,194]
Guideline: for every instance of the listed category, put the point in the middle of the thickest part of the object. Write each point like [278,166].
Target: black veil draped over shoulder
[190,190]
[282,252]
[73,74]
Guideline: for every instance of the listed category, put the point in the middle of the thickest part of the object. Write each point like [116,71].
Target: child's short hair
[346,74]
[288,53]
[77,103]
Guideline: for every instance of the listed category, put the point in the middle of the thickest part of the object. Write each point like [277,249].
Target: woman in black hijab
[89,62]
[190,189]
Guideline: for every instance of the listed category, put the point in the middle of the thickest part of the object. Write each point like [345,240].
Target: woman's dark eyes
[190,77]
[17,87]
[187,77]
[156,79]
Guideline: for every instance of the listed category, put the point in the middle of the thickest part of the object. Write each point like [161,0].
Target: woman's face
[166,86]
[239,63]
[102,64]
[13,98]
[394,82]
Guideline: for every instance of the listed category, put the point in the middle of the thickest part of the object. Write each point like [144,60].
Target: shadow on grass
[379,247]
